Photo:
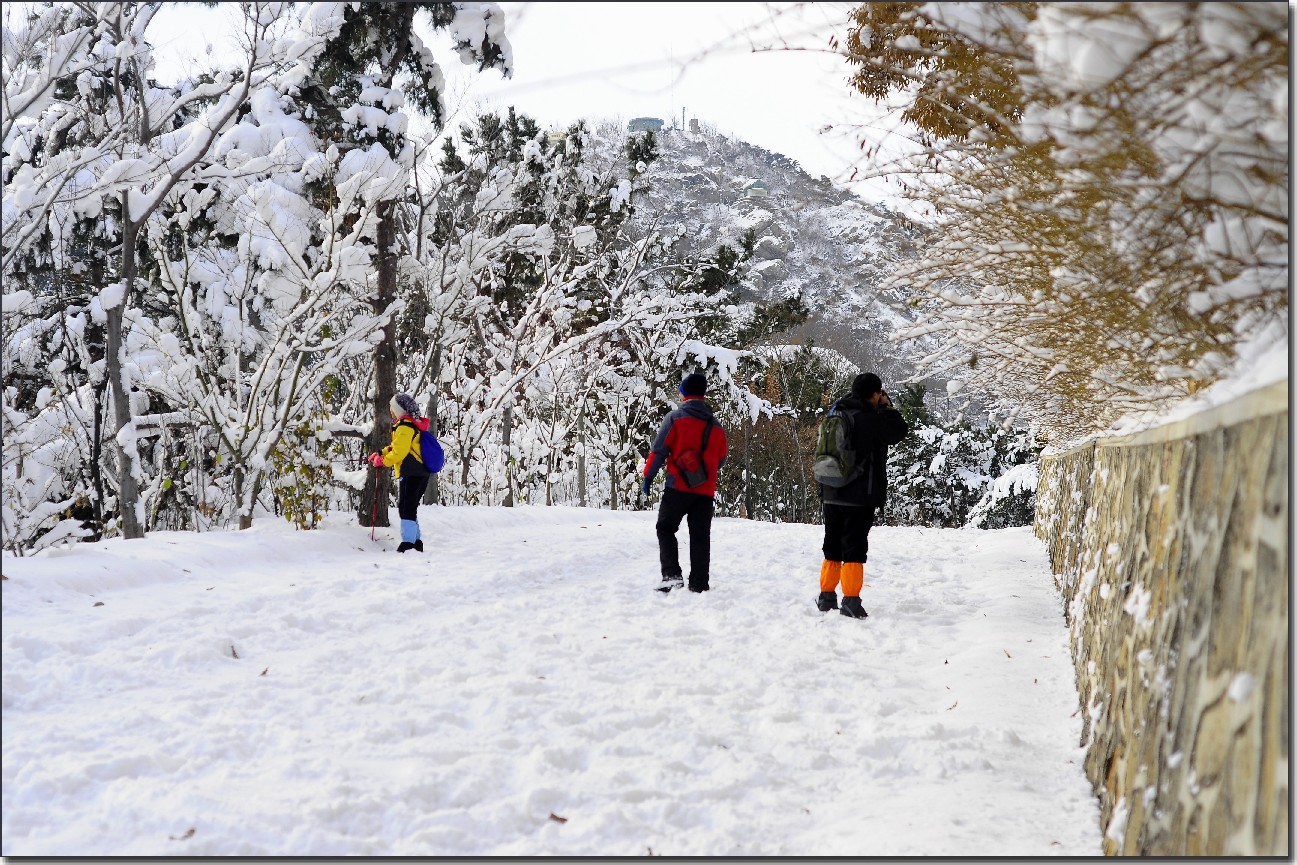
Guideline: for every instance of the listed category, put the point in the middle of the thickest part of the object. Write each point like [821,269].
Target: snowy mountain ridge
[813,239]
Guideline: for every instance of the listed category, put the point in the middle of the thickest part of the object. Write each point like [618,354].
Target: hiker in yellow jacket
[405,458]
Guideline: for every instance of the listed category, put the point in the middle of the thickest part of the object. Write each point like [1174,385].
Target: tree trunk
[612,486]
[747,468]
[581,484]
[506,438]
[432,495]
[96,470]
[237,478]
[240,482]
[549,483]
[128,490]
[374,503]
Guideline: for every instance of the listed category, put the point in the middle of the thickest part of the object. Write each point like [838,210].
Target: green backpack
[836,462]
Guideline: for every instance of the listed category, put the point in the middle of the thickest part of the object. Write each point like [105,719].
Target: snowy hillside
[521,690]
[826,244]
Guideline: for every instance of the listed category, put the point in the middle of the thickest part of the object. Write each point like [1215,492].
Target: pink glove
[376,460]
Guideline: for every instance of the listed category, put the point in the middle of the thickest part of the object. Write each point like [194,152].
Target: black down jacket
[873,430]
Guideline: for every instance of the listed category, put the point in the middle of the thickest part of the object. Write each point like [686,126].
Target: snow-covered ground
[521,690]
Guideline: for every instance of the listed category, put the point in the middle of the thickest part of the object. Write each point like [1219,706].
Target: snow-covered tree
[954,473]
[374,65]
[545,311]
[52,356]
[44,44]
[1109,190]
[46,472]
[213,315]
[267,288]
[113,146]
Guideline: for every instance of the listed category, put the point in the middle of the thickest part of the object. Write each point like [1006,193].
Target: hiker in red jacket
[692,446]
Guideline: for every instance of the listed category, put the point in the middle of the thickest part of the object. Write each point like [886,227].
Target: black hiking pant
[846,532]
[414,480]
[676,506]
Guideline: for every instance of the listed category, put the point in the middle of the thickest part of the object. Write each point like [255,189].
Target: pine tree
[372,64]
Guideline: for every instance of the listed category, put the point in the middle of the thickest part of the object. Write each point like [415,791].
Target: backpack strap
[413,426]
[707,434]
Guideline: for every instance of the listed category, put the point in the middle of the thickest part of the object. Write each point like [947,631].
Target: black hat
[695,384]
[866,385]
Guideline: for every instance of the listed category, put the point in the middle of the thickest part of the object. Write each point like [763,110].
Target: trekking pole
[373,518]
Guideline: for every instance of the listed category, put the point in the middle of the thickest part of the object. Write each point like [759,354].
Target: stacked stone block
[1170,548]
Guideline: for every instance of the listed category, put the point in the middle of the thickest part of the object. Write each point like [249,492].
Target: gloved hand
[375,460]
[645,487]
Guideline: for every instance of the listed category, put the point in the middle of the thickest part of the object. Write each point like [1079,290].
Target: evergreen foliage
[950,475]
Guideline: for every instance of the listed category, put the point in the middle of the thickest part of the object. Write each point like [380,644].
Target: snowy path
[450,704]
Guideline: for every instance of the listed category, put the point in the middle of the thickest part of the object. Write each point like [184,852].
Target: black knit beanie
[866,385]
[695,384]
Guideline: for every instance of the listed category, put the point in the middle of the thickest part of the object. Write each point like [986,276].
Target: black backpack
[689,463]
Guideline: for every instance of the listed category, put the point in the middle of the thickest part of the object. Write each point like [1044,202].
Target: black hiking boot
[418,545]
[698,585]
[851,607]
[403,546]
[827,601]
[671,581]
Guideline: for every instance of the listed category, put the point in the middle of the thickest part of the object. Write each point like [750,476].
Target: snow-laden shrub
[42,455]
[302,464]
[1010,500]
[955,474]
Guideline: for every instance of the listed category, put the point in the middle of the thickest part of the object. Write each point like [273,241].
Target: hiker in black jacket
[849,510]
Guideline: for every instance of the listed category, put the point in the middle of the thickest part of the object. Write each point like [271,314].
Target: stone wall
[1170,548]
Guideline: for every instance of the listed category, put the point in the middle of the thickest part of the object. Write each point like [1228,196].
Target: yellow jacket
[405,441]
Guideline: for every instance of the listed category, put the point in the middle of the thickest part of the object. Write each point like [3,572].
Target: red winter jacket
[682,430]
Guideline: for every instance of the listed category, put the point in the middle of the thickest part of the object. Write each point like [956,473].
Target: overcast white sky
[624,60]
